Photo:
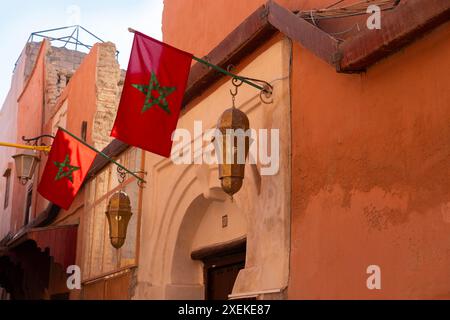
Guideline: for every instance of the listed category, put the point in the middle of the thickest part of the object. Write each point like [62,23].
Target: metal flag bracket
[140,181]
[266,91]
[265,88]
[122,175]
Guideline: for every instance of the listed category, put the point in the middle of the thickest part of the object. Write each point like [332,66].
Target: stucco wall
[8,133]
[370,175]
[179,200]
[30,123]
[197,26]
[370,160]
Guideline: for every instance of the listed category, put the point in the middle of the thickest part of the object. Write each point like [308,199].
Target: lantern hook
[236,83]
[265,93]
[122,174]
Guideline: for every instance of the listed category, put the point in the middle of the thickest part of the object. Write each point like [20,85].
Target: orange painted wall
[371,175]
[82,96]
[370,160]
[197,26]
[29,124]
[8,132]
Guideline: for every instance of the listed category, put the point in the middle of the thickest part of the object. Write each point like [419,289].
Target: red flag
[152,95]
[67,165]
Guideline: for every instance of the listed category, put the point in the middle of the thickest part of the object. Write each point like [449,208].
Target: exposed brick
[61,65]
[109,87]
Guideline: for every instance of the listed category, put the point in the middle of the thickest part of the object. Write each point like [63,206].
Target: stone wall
[31,52]
[109,89]
[61,64]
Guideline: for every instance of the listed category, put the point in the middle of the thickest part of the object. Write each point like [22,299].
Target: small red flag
[152,95]
[68,163]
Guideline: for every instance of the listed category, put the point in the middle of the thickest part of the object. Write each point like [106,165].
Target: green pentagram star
[150,100]
[65,173]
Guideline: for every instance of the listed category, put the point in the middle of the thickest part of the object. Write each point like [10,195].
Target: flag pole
[103,155]
[267,88]
[221,70]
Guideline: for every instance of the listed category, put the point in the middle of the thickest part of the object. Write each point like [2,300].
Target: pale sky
[107,19]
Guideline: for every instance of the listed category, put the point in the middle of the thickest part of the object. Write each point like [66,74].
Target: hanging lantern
[118,214]
[25,163]
[231,168]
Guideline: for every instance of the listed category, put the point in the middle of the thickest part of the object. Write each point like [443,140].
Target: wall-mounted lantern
[118,214]
[25,163]
[231,173]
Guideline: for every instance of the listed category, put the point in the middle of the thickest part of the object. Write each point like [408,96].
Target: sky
[107,19]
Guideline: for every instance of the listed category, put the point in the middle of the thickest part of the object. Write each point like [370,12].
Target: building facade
[367,142]
[76,91]
[353,176]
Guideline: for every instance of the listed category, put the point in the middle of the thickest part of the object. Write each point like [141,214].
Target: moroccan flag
[152,95]
[68,163]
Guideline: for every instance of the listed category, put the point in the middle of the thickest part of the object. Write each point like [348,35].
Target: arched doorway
[210,248]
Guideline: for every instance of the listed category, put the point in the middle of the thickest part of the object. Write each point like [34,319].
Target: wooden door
[221,273]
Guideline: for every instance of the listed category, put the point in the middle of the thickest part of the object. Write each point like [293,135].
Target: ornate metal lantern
[231,167]
[25,163]
[118,214]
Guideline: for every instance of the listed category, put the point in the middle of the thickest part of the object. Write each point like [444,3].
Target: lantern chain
[236,83]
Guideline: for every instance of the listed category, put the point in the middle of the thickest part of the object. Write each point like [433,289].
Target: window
[99,256]
[7,176]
